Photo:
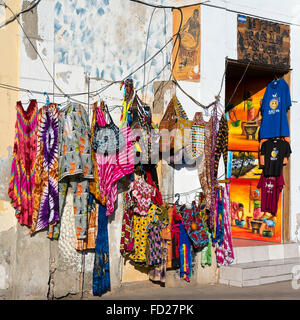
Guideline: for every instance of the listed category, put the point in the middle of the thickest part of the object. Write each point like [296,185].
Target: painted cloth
[140,224]
[101,273]
[75,154]
[221,145]
[214,130]
[175,232]
[166,234]
[75,166]
[204,165]
[271,188]
[113,167]
[22,177]
[218,230]
[127,236]
[94,184]
[275,104]
[198,236]
[159,273]
[142,194]
[154,242]
[46,210]
[80,190]
[185,253]
[224,251]
[89,243]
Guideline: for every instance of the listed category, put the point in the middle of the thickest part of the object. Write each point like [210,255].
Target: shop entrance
[245,87]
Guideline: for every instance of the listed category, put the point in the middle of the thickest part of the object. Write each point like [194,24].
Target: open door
[244,119]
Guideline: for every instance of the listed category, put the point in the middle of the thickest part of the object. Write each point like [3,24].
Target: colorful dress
[113,167]
[127,239]
[75,166]
[154,239]
[140,224]
[204,165]
[46,173]
[21,183]
[142,194]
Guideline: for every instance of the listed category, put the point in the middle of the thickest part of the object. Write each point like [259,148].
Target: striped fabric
[111,168]
[198,140]
[22,176]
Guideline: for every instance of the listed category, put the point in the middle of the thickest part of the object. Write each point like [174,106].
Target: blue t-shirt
[274,107]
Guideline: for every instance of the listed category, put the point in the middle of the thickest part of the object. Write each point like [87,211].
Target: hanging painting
[247,219]
[245,118]
[186,53]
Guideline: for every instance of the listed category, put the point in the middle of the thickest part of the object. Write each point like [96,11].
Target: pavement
[150,291]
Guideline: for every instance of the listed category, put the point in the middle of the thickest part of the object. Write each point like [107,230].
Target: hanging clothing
[90,241]
[22,177]
[46,209]
[127,236]
[154,240]
[185,254]
[157,198]
[94,184]
[175,232]
[101,273]
[221,145]
[75,166]
[198,236]
[218,230]
[166,235]
[113,167]
[140,224]
[142,194]
[204,165]
[159,273]
[224,251]
[275,105]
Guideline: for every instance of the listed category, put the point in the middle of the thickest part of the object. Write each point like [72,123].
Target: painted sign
[186,53]
[263,42]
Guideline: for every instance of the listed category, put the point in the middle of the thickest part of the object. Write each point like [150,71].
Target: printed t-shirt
[275,104]
[270,191]
[274,152]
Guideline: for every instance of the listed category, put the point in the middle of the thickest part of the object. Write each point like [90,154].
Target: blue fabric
[219,227]
[275,104]
[184,239]
[101,277]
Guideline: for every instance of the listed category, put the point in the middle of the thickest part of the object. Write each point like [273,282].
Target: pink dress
[22,176]
[113,167]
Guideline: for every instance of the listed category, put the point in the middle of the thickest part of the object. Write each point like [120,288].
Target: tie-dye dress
[22,176]
[46,177]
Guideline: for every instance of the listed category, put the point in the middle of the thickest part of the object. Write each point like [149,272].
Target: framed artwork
[186,53]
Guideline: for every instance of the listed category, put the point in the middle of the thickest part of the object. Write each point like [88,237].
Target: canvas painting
[247,219]
[244,122]
[186,53]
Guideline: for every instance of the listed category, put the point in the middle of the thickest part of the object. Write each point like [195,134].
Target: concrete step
[266,252]
[259,272]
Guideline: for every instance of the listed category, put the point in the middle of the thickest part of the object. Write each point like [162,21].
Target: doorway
[243,95]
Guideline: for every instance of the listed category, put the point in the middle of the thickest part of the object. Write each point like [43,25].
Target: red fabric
[157,199]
